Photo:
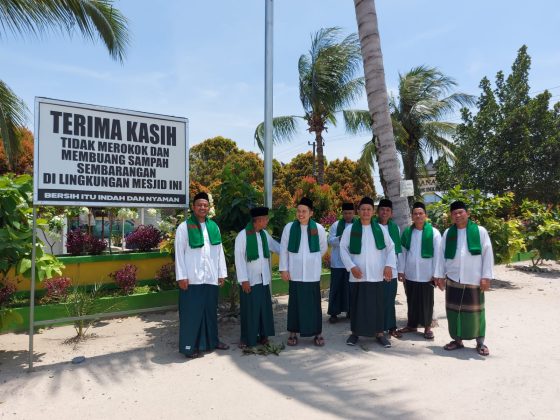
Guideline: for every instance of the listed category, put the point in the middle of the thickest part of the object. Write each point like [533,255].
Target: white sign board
[107,157]
[407,188]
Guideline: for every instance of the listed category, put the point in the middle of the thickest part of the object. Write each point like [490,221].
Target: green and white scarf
[295,236]
[196,239]
[427,239]
[252,246]
[473,240]
[394,234]
[341,226]
[356,236]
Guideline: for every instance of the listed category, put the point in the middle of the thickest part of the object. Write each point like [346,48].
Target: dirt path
[133,370]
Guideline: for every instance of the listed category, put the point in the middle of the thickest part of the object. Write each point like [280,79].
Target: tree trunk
[320,159]
[378,104]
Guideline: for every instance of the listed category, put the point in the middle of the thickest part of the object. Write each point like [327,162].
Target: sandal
[453,345]
[319,341]
[482,350]
[222,346]
[242,345]
[429,335]
[407,329]
[395,333]
[292,341]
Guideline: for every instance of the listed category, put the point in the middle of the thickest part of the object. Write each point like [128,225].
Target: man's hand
[246,286]
[285,275]
[401,277]
[440,284]
[183,284]
[356,272]
[221,281]
[484,284]
[387,273]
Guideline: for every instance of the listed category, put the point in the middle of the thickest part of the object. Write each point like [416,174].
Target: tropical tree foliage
[513,142]
[327,85]
[92,18]
[423,100]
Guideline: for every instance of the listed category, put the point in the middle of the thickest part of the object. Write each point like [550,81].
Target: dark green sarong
[420,303]
[304,308]
[464,304]
[198,318]
[367,308]
[389,296]
[257,321]
[338,292]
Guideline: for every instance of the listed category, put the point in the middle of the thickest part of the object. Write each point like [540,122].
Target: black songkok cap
[456,205]
[366,200]
[347,206]
[259,211]
[201,195]
[306,202]
[419,205]
[385,203]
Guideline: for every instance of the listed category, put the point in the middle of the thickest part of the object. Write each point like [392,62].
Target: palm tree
[326,86]
[422,101]
[378,105]
[92,18]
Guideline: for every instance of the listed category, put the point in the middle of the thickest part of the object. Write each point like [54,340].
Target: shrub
[7,290]
[328,219]
[57,288]
[79,243]
[165,277]
[143,238]
[125,278]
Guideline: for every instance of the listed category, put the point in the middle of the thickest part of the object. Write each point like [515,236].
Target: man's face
[365,211]
[384,214]
[303,214]
[200,208]
[347,215]
[260,222]
[460,217]
[419,217]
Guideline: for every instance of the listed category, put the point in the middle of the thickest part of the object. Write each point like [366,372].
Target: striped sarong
[464,304]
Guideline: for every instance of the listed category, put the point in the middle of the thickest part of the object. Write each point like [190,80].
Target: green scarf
[252,247]
[196,239]
[473,240]
[356,236]
[427,239]
[295,236]
[341,226]
[394,234]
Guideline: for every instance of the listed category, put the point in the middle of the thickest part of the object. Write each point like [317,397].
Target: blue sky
[204,60]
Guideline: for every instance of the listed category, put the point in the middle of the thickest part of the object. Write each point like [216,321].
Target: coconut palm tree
[378,106]
[92,18]
[327,84]
[423,100]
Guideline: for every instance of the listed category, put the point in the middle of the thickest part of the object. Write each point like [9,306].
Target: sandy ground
[133,370]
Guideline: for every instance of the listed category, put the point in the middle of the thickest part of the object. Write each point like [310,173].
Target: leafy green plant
[264,349]
[82,302]
[541,227]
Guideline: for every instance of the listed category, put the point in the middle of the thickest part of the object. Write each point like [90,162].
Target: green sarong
[389,297]
[304,308]
[338,292]
[198,318]
[464,304]
[257,320]
[366,308]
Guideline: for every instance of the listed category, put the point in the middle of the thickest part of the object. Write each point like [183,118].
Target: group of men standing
[369,256]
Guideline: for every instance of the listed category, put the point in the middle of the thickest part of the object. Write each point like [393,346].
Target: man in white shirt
[302,246]
[368,253]
[384,217]
[252,264]
[338,292]
[200,268]
[417,265]
[467,262]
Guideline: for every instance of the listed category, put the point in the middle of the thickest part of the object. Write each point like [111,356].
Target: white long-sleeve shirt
[256,271]
[198,265]
[303,265]
[465,267]
[334,242]
[370,260]
[411,263]
[386,230]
